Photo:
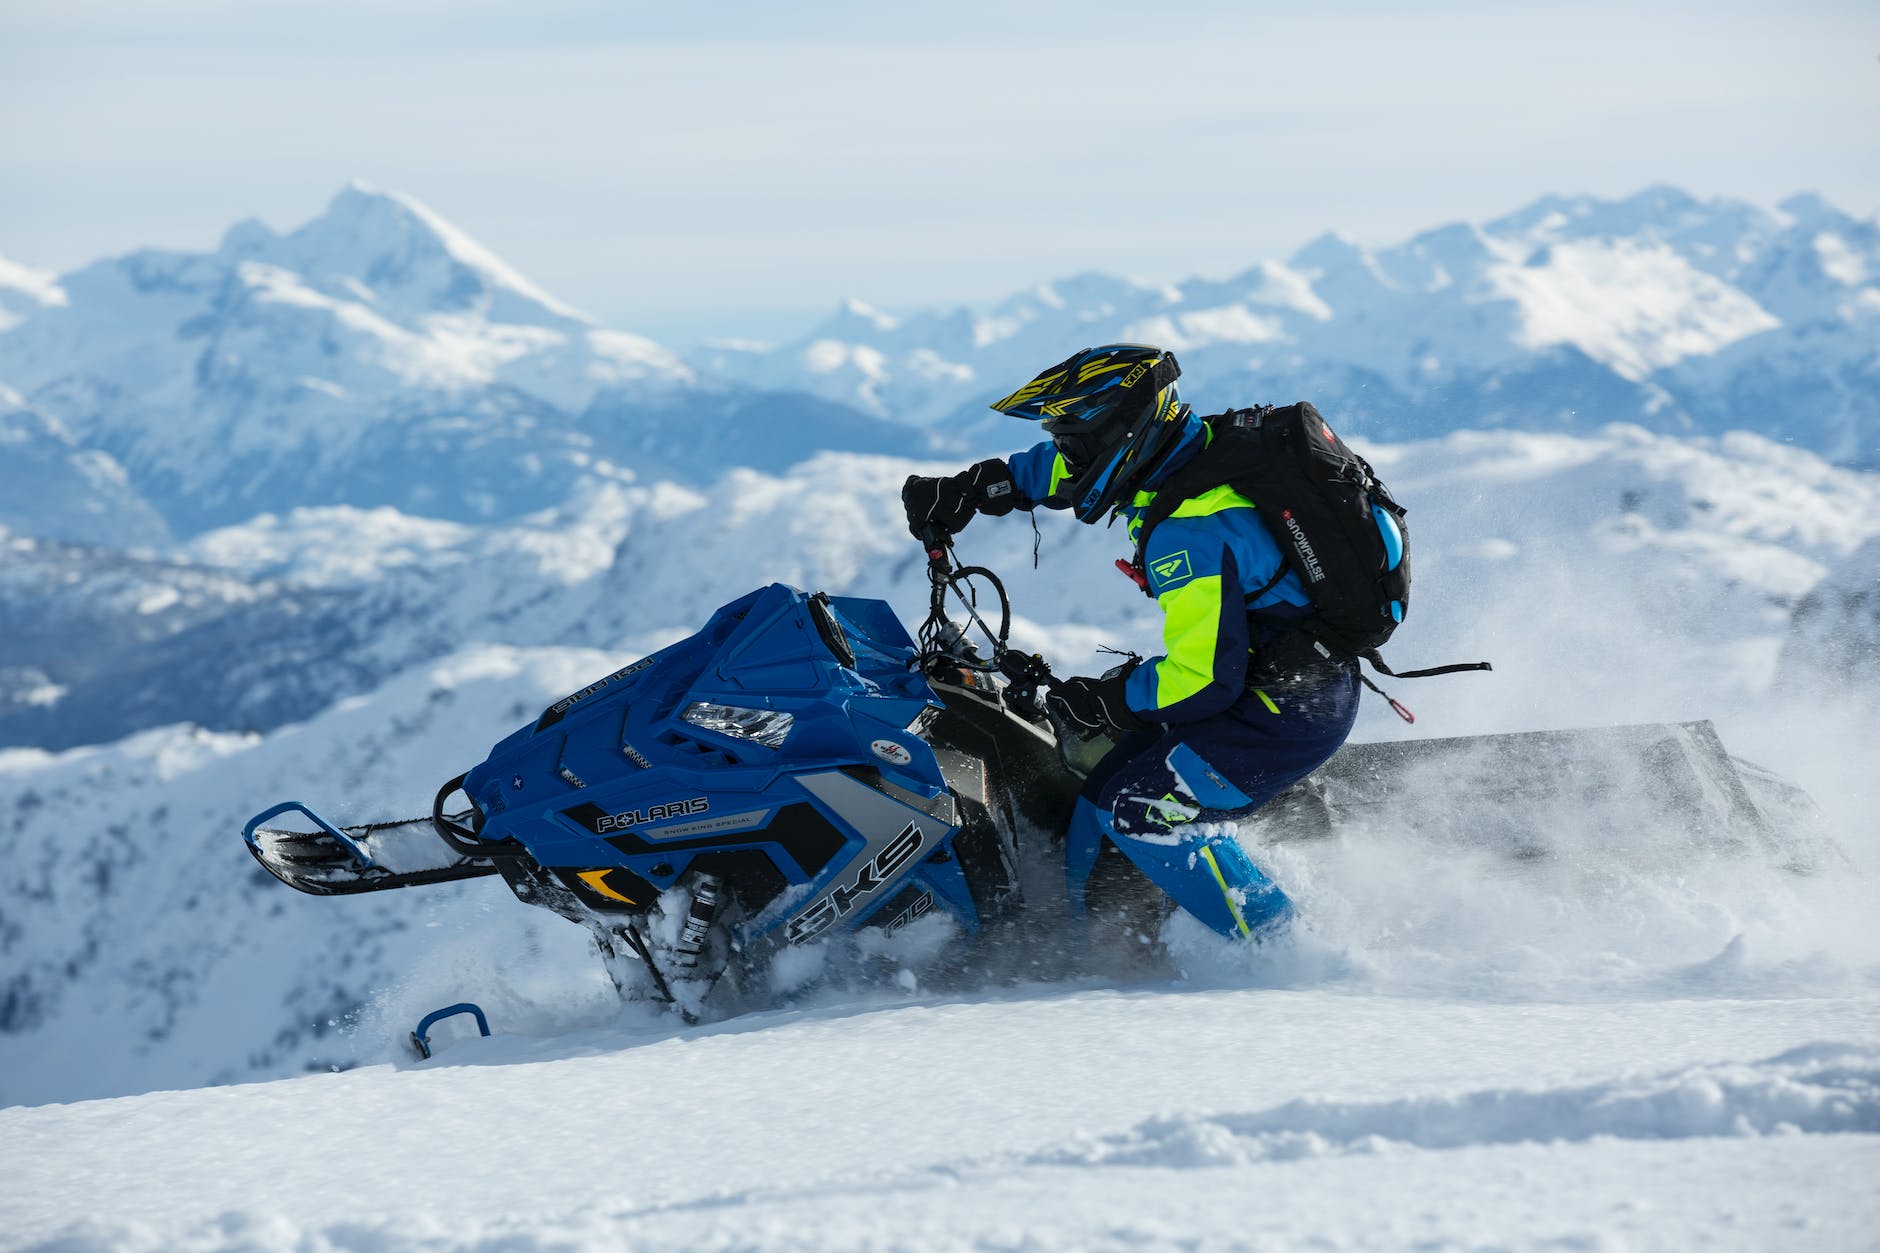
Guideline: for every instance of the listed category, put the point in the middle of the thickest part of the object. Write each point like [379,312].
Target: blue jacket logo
[1171,571]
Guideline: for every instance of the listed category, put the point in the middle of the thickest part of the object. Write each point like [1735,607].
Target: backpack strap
[1204,474]
[1397,706]
[1201,474]
[1377,664]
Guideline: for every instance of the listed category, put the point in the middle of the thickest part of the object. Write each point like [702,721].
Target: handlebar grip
[1026,668]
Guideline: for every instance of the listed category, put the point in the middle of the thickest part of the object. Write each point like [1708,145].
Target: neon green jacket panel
[1194,575]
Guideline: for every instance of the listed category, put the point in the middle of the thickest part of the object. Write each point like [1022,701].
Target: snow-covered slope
[1628,1048]
[376,355]
[51,487]
[1625,577]
[1094,1120]
[1833,647]
[1659,309]
[272,621]
[1629,545]
[127,923]
[1614,1045]
[143,948]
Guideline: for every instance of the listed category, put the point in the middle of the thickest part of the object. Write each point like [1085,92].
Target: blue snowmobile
[798,769]
[801,770]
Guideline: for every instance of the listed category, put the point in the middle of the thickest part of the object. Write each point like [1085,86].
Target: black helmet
[1113,412]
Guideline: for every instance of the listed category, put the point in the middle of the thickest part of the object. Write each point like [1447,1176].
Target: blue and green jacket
[1202,564]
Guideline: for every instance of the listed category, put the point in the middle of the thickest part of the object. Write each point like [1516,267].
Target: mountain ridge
[375,355]
[1657,308]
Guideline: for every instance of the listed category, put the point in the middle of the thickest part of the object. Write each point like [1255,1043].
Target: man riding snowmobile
[1223,721]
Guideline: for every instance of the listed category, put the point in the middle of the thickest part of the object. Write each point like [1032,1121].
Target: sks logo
[1314,570]
[841,902]
[652,813]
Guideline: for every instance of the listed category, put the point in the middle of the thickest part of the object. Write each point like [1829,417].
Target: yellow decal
[1233,906]
[1030,391]
[1171,811]
[1097,367]
[597,879]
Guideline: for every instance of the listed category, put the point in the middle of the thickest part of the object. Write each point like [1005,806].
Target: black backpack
[1337,525]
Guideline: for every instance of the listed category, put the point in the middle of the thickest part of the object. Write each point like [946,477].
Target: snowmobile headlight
[766,726]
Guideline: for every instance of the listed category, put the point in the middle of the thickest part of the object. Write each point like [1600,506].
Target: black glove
[950,503]
[1092,707]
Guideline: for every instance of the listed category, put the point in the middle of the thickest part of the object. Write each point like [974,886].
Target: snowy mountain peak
[1809,209]
[321,365]
[1822,271]
[1634,308]
[1719,235]
[866,315]
[1659,202]
[247,238]
[1654,208]
[1546,213]
[1327,253]
[1270,285]
[24,290]
[1090,293]
[1440,258]
[411,260]
[1660,307]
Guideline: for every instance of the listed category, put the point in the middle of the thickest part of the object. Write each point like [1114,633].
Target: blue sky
[741,167]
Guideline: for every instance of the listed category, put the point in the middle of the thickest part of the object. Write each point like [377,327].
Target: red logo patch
[1327,428]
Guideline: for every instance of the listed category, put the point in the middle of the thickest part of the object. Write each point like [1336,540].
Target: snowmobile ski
[337,861]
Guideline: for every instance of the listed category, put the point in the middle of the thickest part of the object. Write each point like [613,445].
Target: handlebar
[940,640]
[936,540]
[939,637]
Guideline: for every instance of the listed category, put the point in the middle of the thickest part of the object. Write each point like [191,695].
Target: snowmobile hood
[780,745]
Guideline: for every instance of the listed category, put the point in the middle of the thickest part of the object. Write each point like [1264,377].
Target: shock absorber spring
[698,921]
